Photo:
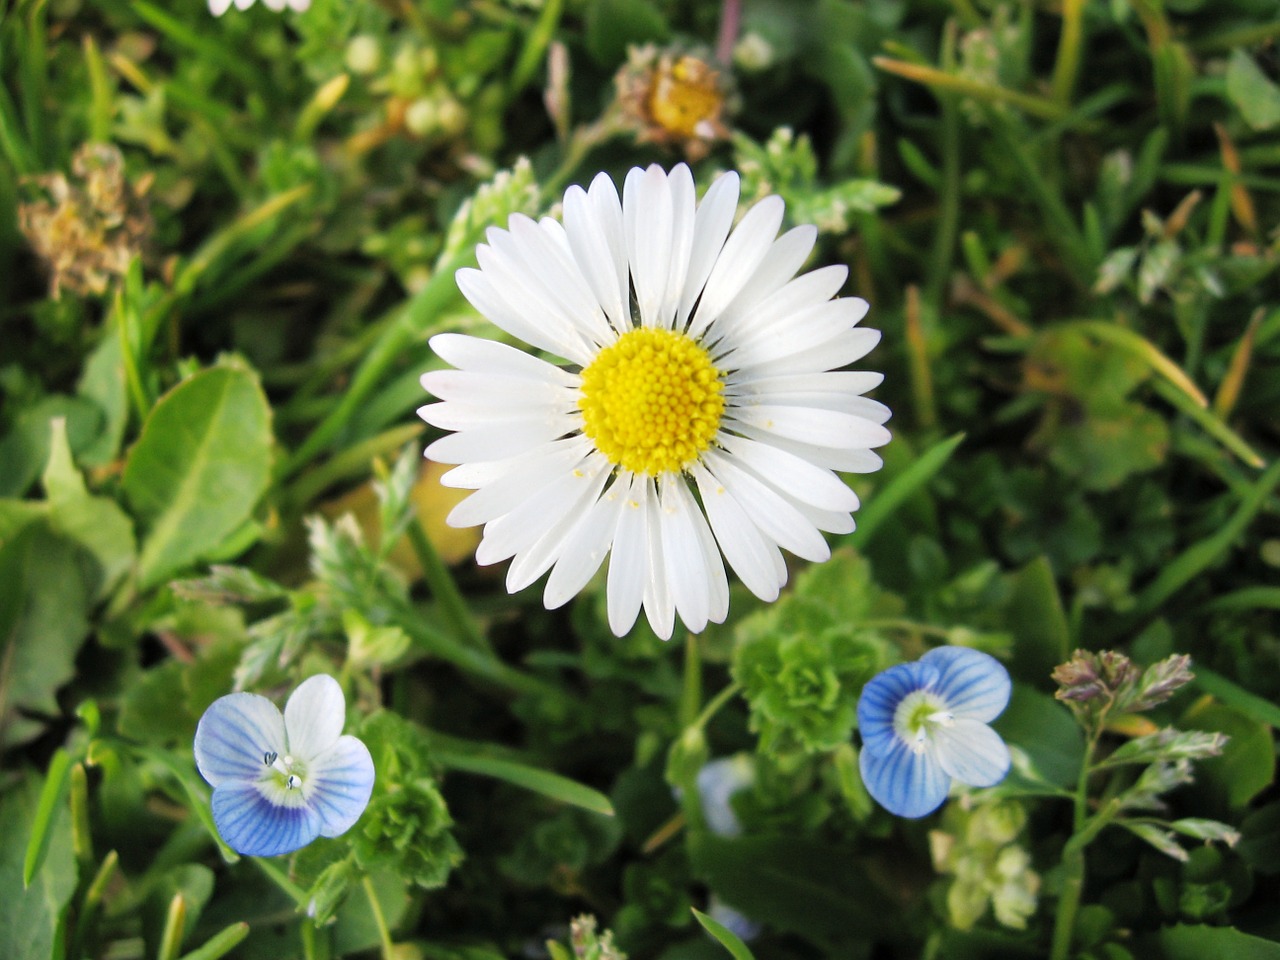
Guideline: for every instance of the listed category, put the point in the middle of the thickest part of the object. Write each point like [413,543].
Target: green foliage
[407,827]
[802,663]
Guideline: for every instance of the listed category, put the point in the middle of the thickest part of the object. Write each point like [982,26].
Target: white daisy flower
[219,7]
[701,410]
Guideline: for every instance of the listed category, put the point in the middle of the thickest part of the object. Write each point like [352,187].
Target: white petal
[683,212]
[558,277]
[772,514]
[743,253]
[526,475]
[499,441]
[785,257]
[971,752]
[842,382]
[585,547]
[791,475]
[754,558]
[659,604]
[505,300]
[848,460]
[629,561]
[300,6]
[517,270]
[488,389]
[685,572]
[219,7]
[488,356]
[824,428]
[590,245]
[314,716]
[455,415]
[710,228]
[647,215]
[608,214]
[812,327]
[537,559]
[520,528]
[842,349]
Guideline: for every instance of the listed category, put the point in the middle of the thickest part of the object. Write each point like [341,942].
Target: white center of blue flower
[288,771]
[917,714]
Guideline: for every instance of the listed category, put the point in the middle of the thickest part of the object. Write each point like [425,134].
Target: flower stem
[384,935]
[277,876]
[730,23]
[444,589]
[1073,854]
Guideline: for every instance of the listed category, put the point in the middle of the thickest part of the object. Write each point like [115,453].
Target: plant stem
[1068,63]
[730,23]
[444,589]
[1073,856]
[384,935]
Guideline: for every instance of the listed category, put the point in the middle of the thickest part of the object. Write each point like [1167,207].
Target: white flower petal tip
[924,724]
[752,406]
[281,780]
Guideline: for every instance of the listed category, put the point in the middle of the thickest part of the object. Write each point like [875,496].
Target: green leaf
[31,917]
[1046,732]
[96,523]
[24,450]
[51,800]
[728,939]
[46,587]
[1039,624]
[220,944]
[613,25]
[1248,762]
[199,467]
[1253,93]
[530,778]
[796,885]
[901,487]
[1187,942]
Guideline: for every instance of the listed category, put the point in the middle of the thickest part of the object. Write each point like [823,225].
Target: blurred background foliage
[223,245]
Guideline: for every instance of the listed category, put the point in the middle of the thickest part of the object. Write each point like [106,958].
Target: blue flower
[281,781]
[925,723]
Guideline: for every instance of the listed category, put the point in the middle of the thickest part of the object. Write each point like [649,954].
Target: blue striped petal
[904,782]
[338,785]
[971,752]
[234,734]
[314,716]
[256,827]
[974,684]
[880,699]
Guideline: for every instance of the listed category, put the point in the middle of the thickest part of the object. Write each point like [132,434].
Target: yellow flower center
[685,95]
[652,402]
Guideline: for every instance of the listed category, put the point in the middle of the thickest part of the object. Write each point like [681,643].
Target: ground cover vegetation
[268,691]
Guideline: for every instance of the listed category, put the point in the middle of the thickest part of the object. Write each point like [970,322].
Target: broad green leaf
[613,25]
[103,383]
[1042,638]
[797,885]
[1253,93]
[1187,942]
[530,778]
[198,469]
[24,450]
[96,523]
[1046,732]
[46,587]
[727,938]
[1248,762]
[31,916]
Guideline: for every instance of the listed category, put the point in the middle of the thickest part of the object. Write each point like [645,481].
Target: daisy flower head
[699,411]
[219,7]
[280,781]
[924,724]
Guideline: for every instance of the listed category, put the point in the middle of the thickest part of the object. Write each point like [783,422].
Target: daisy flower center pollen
[652,402]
